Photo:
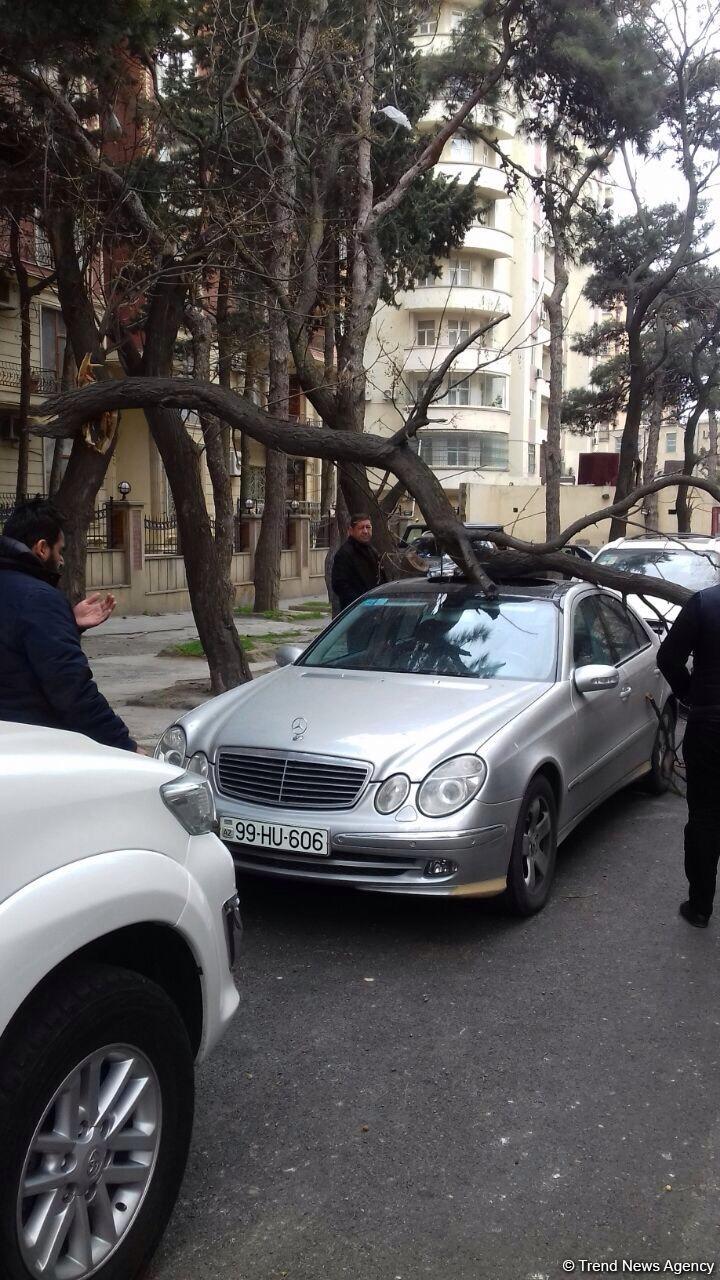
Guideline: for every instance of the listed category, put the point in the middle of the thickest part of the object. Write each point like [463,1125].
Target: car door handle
[625,693]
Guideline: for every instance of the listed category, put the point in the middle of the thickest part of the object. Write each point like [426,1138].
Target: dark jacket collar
[16,556]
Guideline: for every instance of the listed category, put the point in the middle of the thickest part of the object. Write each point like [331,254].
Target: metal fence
[106,531]
[161,536]
[8,503]
[320,532]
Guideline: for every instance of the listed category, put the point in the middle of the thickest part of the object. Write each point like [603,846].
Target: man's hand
[93,611]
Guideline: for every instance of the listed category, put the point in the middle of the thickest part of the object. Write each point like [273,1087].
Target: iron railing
[42,381]
[106,531]
[8,503]
[161,536]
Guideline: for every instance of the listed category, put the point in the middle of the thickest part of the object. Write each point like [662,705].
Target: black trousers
[701,751]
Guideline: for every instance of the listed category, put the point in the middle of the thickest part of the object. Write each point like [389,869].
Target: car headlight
[190,800]
[393,792]
[172,747]
[451,786]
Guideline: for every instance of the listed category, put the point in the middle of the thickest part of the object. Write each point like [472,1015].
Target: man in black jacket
[45,678]
[356,567]
[696,631]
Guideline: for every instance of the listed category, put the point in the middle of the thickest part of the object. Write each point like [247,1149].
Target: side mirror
[594,677]
[287,654]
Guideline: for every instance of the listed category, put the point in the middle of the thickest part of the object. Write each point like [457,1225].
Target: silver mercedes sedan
[434,741]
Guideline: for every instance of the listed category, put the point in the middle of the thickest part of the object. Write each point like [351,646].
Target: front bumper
[366,853]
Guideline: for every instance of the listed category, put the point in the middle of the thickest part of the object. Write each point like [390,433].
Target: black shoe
[694,917]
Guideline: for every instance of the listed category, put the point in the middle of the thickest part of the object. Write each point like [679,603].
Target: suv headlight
[451,786]
[172,747]
[190,800]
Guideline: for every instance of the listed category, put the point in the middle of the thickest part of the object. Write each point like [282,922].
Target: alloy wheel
[537,843]
[89,1165]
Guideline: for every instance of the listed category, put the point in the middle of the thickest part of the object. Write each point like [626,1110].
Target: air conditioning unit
[234,463]
[9,428]
[6,301]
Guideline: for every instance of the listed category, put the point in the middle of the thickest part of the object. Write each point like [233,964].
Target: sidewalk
[150,687]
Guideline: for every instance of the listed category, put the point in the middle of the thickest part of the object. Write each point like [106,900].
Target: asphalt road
[426,1089]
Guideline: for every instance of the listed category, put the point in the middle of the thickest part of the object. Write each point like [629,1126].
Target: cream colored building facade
[491,423]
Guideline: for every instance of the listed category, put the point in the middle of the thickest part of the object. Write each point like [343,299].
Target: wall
[157,584]
[520,509]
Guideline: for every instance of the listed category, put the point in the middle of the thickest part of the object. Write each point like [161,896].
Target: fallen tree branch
[64,415]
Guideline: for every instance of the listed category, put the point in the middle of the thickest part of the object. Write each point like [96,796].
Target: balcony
[423,359]
[468,417]
[490,240]
[489,181]
[473,299]
[500,120]
[42,381]
[542,386]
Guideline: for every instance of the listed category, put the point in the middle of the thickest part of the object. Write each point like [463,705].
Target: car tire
[659,779]
[532,862]
[104,1044]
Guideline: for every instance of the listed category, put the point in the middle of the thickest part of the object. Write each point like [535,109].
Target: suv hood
[395,721]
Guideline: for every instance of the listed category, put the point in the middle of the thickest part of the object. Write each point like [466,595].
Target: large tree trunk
[26,294]
[712,463]
[200,326]
[553,455]
[651,449]
[683,506]
[629,452]
[87,466]
[268,555]
[210,599]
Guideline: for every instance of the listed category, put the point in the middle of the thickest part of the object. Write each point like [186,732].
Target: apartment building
[490,422]
[136,461]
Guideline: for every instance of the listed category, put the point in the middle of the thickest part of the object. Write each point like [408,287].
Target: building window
[531,459]
[457,331]
[425,334]
[486,214]
[492,390]
[487,156]
[479,450]
[460,272]
[52,344]
[487,274]
[427,26]
[461,149]
[457,17]
[671,442]
[429,280]
[458,391]
[533,406]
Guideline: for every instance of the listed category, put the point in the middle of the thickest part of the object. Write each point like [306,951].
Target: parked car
[422,542]
[691,560]
[118,925]
[434,741]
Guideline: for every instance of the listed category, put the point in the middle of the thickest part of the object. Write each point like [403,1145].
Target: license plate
[275,835]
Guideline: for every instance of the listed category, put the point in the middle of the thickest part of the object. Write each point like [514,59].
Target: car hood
[393,721]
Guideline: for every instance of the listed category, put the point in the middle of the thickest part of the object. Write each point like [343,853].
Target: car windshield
[692,569]
[444,635]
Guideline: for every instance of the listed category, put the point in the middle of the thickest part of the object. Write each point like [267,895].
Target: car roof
[528,588]
[651,544]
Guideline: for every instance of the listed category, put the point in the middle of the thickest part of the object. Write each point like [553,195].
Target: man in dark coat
[356,567]
[696,631]
[45,678]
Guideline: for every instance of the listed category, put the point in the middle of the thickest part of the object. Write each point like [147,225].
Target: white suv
[118,921]
[691,560]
